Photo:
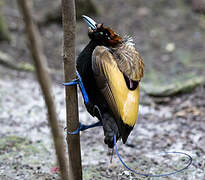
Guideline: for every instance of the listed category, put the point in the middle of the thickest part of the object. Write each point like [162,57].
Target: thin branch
[69,21]
[45,83]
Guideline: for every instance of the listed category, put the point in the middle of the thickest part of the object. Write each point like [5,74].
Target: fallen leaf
[190,110]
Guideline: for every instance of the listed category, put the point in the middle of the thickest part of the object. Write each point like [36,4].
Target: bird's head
[104,35]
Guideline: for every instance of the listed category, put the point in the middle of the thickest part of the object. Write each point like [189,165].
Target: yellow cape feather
[127,101]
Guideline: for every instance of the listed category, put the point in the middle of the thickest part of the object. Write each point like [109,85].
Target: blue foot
[82,87]
[83,127]
[73,82]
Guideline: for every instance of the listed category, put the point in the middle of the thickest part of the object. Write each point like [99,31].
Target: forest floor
[170,38]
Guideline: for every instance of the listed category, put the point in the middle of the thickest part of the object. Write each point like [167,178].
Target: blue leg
[82,87]
[83,127]
[79,81]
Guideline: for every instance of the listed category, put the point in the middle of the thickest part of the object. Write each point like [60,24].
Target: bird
[111,69]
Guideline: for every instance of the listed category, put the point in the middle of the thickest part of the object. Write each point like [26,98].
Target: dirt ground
[170,38]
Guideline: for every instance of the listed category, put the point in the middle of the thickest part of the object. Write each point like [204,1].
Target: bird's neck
[88,50]
[84,61]
[85,57]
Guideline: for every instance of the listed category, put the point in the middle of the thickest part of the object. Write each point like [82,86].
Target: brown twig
[45,83]
[69,21]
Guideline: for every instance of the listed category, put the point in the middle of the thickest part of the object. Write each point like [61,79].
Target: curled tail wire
[154,175]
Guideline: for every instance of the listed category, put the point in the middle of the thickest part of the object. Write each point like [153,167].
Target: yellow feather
[127,101]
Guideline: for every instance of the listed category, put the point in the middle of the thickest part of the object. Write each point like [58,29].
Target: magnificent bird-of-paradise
[111,69]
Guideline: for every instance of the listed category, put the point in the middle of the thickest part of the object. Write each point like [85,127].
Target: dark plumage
[111,70]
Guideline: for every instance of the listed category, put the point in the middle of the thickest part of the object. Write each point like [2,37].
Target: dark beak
[91,23]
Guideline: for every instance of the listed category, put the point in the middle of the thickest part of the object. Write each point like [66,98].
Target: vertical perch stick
[69,21]
[45,83]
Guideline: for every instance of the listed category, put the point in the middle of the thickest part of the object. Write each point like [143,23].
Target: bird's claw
[83,127]
[82,88]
